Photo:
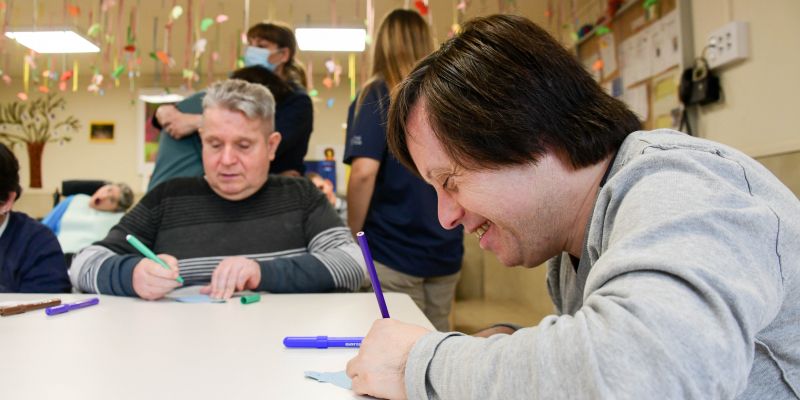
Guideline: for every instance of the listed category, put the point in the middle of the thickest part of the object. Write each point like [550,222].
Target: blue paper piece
[198,298]
[339,379]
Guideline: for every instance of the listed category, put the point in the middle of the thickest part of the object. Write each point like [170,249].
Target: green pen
[149,253]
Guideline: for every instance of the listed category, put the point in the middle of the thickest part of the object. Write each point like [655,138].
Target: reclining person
[236,228]
[80,220]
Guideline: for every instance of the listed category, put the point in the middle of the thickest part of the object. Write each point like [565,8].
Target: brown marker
[21,308]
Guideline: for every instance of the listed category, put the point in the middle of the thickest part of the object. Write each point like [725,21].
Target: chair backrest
[77,186]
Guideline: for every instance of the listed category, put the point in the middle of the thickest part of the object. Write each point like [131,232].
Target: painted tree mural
[35,123]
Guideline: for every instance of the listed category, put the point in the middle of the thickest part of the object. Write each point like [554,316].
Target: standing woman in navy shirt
[398,211]
[30,257]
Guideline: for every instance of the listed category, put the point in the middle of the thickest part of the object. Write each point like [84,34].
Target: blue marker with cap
[321,342]
[71,306]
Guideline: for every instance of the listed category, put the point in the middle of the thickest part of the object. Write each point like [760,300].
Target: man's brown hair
[503,92]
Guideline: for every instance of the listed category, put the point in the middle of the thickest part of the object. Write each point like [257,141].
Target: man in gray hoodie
[675,261]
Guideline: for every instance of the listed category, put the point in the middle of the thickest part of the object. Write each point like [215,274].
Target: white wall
[760,94]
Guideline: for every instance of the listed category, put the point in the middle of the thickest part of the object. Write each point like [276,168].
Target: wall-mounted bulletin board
[638,57]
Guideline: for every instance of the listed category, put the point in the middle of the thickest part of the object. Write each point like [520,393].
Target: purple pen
[321,342]
[373,275]
[71,306]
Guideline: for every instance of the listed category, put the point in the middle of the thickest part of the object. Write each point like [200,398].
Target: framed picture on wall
[101,131]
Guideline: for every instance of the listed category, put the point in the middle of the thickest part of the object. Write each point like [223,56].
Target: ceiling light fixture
[331,39]
[52,40]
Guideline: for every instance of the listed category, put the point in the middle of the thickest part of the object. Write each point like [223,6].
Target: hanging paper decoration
[602,30]
[22,96]
[337,75]
[313,93]
[26,73]
[94,86]
[6,79]
[176,12]
[309,76]
[62,86]
[462,6]
[75,74]
[330,65]
[454,30]
[118,71]
[650,9]
[205,24]
[163,57]
[598,65]
[65,76]
[107,4]
[221,18]
[73,10]
[351,74]
[422,7]
[93,30]
[130,38]
[199,47]
[44,89]
[30,61]
[649,3]
[327,82]
[329,103]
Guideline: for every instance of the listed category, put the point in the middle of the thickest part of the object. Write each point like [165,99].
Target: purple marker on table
[71,306]
[321,342]
[373,275]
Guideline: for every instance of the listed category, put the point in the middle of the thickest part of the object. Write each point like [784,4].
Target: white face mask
[258,56]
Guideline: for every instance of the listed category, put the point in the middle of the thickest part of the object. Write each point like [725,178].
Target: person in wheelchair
[81,219]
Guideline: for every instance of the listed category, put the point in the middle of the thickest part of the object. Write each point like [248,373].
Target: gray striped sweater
[288,227]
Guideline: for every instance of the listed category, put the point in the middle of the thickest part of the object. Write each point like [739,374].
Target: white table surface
[125,348]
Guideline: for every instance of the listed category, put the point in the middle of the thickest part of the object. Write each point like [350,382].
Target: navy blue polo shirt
[402,224]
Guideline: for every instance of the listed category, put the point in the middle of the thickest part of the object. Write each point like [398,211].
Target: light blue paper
[197,298]
[339,379]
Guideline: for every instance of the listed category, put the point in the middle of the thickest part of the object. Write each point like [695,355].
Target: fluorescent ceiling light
[329,39]
[53,40]
[161,98]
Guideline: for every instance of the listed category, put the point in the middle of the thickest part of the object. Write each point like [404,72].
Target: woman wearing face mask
[31,260]
[271,46]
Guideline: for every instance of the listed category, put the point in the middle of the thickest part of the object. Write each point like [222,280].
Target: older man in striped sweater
[235,228]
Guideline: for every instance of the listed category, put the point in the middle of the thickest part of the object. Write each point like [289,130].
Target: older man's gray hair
[253,100]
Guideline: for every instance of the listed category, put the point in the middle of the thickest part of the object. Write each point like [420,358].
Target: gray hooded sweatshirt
[688,288]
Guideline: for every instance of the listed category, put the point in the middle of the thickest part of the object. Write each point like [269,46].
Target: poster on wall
[148,136]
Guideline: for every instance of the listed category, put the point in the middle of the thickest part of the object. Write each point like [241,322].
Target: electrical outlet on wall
[728,44]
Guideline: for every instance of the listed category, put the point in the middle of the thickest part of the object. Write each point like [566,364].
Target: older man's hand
[379,368]
[231,275]
[151,281]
